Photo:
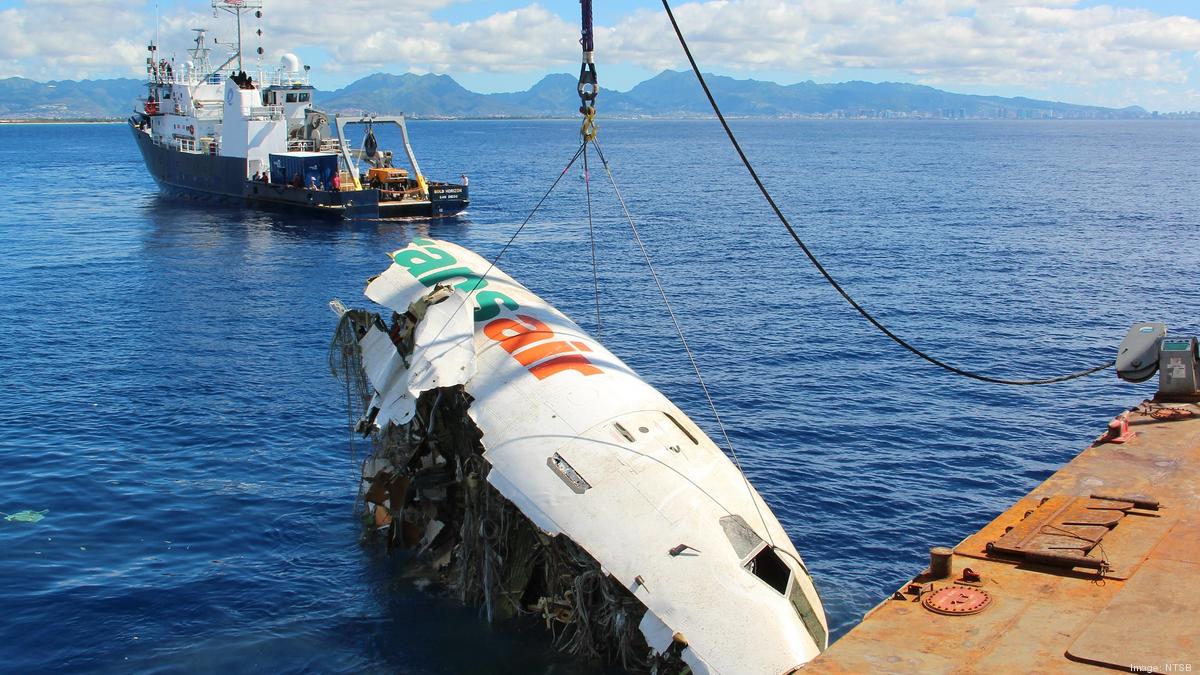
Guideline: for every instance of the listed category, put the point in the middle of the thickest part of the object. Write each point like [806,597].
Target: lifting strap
[588,87]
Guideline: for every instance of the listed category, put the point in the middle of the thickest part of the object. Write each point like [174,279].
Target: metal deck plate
[957,601]
[1151,623]
[1047,618]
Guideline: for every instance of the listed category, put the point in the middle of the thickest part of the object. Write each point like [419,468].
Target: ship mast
[236,7]
[200,52]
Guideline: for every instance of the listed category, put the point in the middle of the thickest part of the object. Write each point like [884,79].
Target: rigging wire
[492,264]
[525,222]
[588,89]
[587,187]
[821,268]
[637,237]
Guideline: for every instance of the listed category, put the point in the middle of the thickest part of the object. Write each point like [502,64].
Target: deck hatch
[1063,531]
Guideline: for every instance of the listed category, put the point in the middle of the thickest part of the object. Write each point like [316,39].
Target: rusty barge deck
[1096,569]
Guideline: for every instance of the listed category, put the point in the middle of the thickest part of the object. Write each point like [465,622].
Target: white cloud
[519,39]
[69,39]
[1009,43]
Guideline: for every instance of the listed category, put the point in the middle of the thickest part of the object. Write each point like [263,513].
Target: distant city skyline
[1115,53]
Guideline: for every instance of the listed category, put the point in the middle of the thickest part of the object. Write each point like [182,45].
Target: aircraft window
[767,566]
[743,538]
[805,609]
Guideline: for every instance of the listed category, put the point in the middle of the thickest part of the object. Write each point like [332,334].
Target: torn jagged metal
[534,473]
[345,360]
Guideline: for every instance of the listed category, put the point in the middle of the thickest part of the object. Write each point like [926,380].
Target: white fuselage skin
[588,450]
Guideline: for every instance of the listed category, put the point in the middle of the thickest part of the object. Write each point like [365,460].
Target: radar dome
[290,63]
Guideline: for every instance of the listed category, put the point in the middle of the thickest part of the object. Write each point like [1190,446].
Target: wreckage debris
[528,469]
[27,516]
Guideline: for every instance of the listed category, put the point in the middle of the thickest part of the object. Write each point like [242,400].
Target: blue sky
[1115,52]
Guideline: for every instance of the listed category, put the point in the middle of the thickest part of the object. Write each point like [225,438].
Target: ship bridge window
[303,96]
[291,98]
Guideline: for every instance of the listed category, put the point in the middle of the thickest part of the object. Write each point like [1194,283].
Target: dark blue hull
[194,175]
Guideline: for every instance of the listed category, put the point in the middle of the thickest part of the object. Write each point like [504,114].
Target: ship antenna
[258,43]
[236,7]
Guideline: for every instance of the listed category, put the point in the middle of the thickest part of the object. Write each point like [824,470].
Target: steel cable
[637,237]
[821,268]
[492,264]
[587,186]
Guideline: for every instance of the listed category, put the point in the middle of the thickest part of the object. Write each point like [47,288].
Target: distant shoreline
[680,118]
[63,121]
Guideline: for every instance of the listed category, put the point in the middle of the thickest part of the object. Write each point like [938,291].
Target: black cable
[821,268]
[585,33]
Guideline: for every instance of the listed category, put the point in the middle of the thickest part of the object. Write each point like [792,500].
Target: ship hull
[194,175]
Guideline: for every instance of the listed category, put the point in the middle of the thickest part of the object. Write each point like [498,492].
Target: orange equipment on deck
[387,175]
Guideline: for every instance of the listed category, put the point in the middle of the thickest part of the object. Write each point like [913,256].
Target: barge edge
[1096,569]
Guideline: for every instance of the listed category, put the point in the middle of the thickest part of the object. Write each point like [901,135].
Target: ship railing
[184,79]
[192,79]
[208,110]
[274,112]
[309,145]
[285,79]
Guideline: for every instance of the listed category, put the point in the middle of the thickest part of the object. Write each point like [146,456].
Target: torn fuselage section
[534,472]
[425,492]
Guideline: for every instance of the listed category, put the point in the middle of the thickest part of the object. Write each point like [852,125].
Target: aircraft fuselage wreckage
[532,471]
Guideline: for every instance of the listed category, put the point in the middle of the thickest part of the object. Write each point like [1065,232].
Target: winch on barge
[535,473]
[256,139]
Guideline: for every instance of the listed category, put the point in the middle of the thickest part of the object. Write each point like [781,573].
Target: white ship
[255,138]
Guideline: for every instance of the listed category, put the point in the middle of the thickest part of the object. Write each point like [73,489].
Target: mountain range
[668,94]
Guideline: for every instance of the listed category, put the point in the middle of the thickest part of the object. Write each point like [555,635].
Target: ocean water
[165,398]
